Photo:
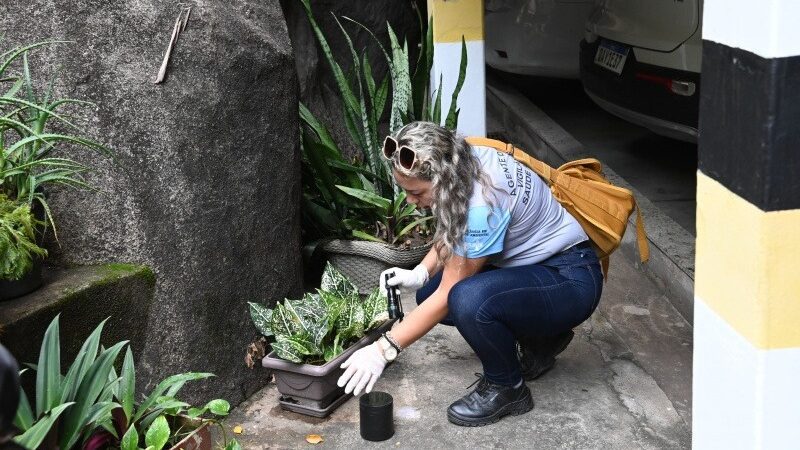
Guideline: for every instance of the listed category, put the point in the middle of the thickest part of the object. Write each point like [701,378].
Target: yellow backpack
[601,208]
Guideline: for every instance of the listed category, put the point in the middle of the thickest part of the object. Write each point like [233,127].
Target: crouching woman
[510,268]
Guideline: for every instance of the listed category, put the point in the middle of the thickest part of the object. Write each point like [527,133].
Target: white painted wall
[472,99]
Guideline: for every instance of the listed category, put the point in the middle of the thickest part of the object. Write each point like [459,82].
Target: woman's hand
[408,280]
[364,367]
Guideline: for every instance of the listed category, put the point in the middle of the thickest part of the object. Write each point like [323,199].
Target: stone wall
[205,187]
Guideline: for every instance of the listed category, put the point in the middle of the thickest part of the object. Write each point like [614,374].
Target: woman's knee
[464,300]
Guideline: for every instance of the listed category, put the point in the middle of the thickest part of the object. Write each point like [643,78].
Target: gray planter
[363,261]
[10,289]
[309,389]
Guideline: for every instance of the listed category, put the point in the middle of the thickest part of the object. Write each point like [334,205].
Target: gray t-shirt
[526,224]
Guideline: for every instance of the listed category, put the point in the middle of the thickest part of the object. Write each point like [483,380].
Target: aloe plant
[27,145]
[93,407]
[320,326]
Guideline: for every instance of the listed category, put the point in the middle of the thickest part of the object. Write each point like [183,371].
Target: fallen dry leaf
[237,429]
[314,439]
[255,351]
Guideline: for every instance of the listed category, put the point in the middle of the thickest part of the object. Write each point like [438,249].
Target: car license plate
[612,56]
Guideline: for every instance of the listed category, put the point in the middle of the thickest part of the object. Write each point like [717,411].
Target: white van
[535,37]
[640,60]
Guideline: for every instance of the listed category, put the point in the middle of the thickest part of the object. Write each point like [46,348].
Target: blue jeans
[498,306]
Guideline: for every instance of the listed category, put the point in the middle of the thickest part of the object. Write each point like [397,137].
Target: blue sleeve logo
[486,231]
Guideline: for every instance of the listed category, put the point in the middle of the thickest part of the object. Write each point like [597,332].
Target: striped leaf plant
[358,198]
[320,326]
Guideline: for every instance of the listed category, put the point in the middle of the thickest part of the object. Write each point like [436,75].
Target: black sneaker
[538,355]
[488,403]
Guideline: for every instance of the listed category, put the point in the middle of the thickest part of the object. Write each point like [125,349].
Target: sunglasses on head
[406,158]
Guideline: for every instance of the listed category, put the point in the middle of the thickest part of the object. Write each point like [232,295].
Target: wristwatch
[390,349]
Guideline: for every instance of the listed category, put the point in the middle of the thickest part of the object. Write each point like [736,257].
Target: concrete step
[83,296]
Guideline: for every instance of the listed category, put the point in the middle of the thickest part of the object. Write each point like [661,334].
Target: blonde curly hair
[446,160]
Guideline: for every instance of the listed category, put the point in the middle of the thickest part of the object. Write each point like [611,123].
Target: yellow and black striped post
[746,384]
[452,20]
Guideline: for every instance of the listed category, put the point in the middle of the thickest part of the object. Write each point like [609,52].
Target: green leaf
[452,116]
[312,311]
[195,412]
[323,135]
[158,433]
[282,323]
[100,412]
[401,234]
[89,390]
[336,283]
[219,407]
[166,384]
[350,323]
[24,418]
[398,203]
[334,350]
[127,388]
[368,197]
[38,432]
[130,441]
[261,316]
[285,349]
[48,372]
[420,81]
[367,237]
[375,309]
[316,157]
[366,184]
[380,97]
[233,445]
[436,113]
[401,81]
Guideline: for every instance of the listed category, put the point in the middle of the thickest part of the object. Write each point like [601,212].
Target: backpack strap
[542,169]
[641,236]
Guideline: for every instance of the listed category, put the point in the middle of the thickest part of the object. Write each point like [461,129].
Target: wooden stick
[163,70]
[186,19]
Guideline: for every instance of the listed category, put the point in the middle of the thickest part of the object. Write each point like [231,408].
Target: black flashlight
[394,306]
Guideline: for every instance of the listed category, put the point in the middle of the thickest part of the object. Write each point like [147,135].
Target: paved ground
[662,169]
[624,382]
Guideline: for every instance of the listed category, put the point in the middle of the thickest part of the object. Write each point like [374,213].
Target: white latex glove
[364,367]
[408,280]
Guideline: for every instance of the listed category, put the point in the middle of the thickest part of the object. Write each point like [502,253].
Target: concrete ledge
[671,262]
[84,296]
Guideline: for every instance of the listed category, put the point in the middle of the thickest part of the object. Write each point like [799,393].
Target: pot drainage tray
[311,408]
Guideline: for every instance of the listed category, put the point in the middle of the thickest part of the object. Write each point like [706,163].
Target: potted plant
[314,335]
[93,407]
[354,207]
[28,164]
[20,256]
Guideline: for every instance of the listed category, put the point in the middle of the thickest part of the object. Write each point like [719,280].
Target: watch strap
[392,342]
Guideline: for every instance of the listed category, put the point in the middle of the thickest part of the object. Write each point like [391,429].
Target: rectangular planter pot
[310,389]
[200,439]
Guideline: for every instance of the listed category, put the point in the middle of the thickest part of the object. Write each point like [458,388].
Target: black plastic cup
[377,417]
